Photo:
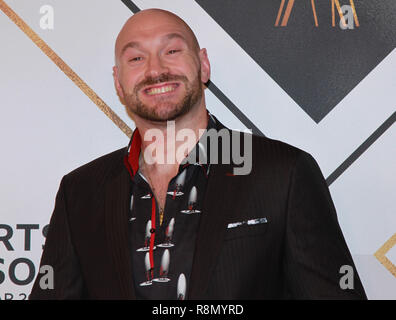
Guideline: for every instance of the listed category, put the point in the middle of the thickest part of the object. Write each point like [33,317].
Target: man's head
[160,68]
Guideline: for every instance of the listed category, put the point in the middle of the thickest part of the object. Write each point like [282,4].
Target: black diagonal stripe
[233,108]
[215,90]
[133,7]
[361,149]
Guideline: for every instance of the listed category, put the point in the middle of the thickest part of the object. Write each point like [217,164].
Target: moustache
[165,77]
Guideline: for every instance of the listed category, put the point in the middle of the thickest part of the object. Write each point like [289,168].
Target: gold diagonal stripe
[66,69]
[287,13]
[314,12]
[355,14]
[279,13]
[340,12]
[381,252]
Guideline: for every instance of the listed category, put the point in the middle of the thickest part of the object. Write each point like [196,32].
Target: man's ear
[117,83]
[205,65]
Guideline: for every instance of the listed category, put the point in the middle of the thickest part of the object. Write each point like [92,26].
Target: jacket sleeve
[59,254]
[315,248]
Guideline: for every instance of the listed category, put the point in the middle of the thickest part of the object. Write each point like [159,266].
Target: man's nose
[155,67]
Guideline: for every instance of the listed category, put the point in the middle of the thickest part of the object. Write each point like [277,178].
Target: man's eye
[173,51]
[136,59]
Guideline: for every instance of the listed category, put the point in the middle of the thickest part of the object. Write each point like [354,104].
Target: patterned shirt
[162,254]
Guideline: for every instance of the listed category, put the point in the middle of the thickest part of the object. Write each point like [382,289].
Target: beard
[164,110]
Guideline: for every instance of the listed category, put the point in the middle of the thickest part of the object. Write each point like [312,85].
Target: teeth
[164,89]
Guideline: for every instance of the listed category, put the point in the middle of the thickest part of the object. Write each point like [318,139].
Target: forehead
[152,28]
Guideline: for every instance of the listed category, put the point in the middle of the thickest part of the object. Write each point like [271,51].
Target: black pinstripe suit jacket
[297,254]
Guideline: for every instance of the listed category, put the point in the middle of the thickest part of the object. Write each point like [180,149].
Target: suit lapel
[218,208]
[117,195]
[216,213]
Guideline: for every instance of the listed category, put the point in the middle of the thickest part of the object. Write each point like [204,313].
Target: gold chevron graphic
[334,3]
[66,69]
[381,252]
[289,8]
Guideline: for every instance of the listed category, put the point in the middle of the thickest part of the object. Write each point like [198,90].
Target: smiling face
[160,70]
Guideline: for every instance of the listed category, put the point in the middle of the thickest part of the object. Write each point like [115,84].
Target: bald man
[170,218]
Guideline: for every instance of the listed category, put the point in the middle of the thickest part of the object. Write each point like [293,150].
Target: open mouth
[161,89]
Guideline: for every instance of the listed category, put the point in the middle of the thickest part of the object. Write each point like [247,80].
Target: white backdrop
[48,127]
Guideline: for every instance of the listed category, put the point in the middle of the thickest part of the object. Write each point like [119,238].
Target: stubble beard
[165,110]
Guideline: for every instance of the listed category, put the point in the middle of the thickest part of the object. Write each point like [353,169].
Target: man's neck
[167,148]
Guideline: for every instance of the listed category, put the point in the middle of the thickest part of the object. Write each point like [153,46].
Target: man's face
[159,70]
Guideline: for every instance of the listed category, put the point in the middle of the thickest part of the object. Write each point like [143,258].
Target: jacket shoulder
[265,148]
[98,168]
[280,156]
